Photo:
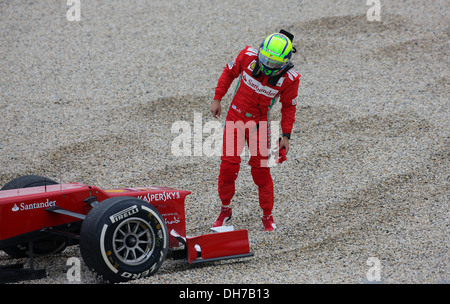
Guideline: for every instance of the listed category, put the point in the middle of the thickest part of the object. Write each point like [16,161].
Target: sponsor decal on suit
[258,87]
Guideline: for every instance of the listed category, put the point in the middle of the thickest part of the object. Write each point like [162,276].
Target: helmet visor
[270,62]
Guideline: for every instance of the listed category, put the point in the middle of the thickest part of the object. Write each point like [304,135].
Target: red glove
[281,154]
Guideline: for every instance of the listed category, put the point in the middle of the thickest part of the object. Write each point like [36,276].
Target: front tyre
[124,238]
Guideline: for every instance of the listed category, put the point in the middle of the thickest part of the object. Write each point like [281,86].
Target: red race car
[123,234]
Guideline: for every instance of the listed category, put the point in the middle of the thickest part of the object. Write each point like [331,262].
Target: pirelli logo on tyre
[124,214]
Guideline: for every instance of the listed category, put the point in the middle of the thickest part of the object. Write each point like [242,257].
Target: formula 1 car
[123,234]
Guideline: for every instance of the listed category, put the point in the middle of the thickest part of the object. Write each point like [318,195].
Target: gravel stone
[367,176]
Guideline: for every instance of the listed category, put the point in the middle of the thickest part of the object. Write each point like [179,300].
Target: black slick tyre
[27,181]
[124,238]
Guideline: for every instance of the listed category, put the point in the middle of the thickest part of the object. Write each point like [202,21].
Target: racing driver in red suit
[265,75]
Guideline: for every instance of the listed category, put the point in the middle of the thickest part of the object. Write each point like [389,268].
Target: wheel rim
[134,241]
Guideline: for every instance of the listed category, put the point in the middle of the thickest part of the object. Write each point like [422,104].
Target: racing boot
[269,224]
[224,216]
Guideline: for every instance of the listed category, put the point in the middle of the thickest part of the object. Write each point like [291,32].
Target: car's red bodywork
[27,212]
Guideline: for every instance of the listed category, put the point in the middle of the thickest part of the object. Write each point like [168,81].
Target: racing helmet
[274,54]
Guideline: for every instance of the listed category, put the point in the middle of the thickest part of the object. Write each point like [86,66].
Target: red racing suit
[247,121]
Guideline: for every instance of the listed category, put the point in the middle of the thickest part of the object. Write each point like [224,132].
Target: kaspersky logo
[23,206]
[258,87]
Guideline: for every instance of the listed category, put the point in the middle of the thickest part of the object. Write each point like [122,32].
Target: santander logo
[258,87]
[24,206]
